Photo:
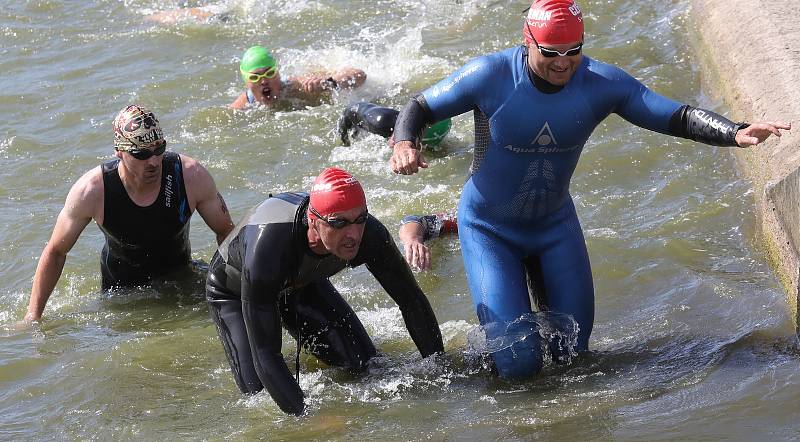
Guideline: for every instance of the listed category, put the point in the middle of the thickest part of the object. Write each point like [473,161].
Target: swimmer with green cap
[259,71]
[380,121]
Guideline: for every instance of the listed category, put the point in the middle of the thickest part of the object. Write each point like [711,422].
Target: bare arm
[240,102]
[203,196]
[349,78]
[417,254]
[176,15]
[84,201]
[312,85]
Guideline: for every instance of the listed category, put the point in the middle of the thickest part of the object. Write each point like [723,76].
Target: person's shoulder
[90,182]
[191,166]
[240,103]
[604,70]
[87,192]
[375,228]
[503,57]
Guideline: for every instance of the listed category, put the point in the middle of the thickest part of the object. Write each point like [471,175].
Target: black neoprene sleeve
[414,116]
[260,291]
[704,126]
[385,262]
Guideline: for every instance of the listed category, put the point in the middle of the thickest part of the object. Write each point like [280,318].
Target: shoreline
[750,52]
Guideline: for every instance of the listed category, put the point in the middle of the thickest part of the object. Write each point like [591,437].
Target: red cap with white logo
[335,190]
[553,22]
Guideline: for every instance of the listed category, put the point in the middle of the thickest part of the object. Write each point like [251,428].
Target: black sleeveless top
[144,242]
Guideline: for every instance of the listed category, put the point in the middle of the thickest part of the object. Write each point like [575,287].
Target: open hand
[758,132]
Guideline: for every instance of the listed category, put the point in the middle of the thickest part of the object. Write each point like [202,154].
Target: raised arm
[83,202]
[203,195]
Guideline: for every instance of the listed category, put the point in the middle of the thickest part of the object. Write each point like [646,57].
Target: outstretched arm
[79,208]
[416,229]
[709,128]
[417,254]
[756,133]
[310,86]
[176,15]
[348,78]
[386,263]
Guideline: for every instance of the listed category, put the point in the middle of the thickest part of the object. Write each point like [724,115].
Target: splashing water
[557,331]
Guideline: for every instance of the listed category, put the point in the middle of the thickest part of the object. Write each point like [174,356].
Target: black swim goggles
[143,153]
[340,223]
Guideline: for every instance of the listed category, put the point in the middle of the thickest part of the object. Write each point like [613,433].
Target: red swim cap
[335,190]
[553,22]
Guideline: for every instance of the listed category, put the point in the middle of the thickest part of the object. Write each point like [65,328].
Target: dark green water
[692,338]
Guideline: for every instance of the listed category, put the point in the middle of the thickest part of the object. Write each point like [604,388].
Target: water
[692,338]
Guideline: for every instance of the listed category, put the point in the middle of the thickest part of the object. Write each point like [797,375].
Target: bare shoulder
[85,198]
[198,181]
[240,102]
[193,170]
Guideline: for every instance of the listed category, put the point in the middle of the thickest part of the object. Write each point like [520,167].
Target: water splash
[558,331]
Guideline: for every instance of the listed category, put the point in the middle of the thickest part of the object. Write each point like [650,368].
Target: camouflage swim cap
[257,57]
[136,127]
[436,132]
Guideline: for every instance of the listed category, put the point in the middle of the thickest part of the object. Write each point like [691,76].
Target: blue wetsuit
[515,212]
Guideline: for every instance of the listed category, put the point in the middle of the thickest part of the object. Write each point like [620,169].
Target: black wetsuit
[265,274]
[366,116]
[144,242]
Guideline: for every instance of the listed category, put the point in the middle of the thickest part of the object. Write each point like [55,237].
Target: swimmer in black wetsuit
[142,202]
[380,121]
[273,269]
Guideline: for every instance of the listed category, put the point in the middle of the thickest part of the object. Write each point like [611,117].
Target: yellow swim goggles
[255,78]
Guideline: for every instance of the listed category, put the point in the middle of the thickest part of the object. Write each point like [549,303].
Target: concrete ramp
[751,52]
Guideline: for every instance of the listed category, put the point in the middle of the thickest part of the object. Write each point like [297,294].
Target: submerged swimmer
[273,271]
[142,201]
[264,85]
[535,107]
[217,12]
[380,121]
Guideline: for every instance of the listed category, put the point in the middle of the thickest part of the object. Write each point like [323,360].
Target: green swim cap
[257,57]
[436,132]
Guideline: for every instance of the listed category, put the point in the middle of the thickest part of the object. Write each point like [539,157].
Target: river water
[692,340]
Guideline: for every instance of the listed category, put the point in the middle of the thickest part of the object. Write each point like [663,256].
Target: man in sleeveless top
[142,201]
[273,270]
[535,107]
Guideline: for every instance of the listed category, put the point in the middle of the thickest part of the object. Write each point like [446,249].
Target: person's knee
[522,360]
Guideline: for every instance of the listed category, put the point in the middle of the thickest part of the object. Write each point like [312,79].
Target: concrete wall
[750,53]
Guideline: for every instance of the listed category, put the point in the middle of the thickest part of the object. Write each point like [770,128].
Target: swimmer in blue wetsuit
[142,201]
[273,271]
[534,108]
[264,85]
